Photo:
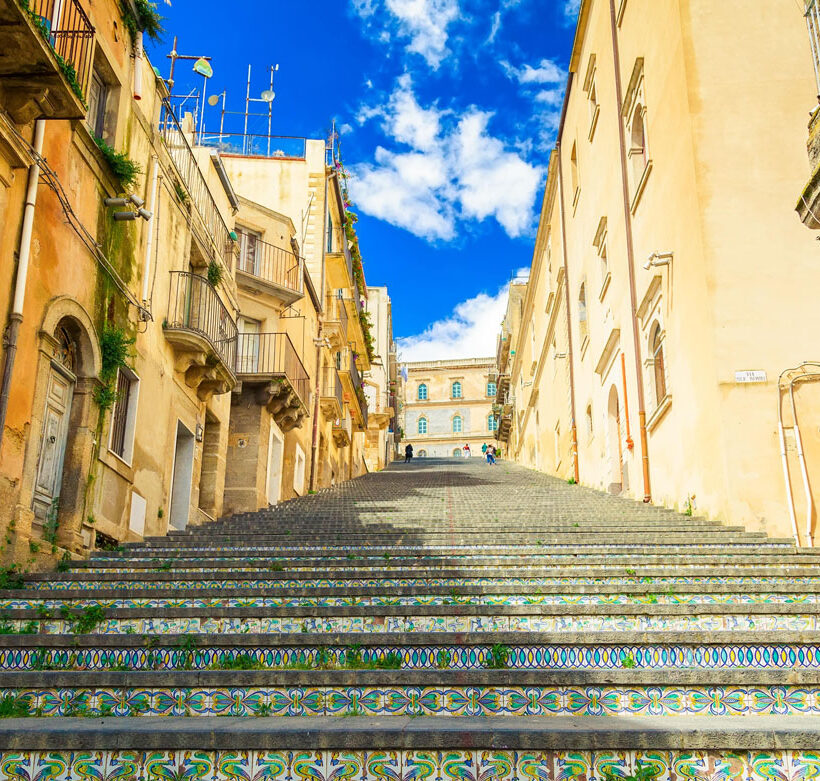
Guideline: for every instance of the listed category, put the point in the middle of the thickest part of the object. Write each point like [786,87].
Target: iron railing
[355,377]
[332,386]
[256,145]
[812,12]
[273,355]
[273,264]
[194,305]
[345,425]
[66,26]
[337,312]
[210,228]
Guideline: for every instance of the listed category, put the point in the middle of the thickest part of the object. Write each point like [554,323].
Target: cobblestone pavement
[467,621]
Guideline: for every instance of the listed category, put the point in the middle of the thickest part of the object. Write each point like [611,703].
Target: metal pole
[202,115]
[247,109]
[270,109]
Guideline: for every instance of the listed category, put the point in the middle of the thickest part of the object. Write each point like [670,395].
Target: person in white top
[466,450]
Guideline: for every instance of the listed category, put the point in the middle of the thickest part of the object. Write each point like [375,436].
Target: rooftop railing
[210,228]
[66,26]
[194,305]
[256,145]
[273,355]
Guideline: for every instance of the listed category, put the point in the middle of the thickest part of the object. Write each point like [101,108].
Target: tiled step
[288,693]
[520,650]
[453,618]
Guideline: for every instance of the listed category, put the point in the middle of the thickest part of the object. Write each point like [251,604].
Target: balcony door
[249,251]
[247,359]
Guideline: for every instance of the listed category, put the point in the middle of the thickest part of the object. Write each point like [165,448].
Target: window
[656,348]
[299,470]
[492,423]
[422,425]
[637,145]
[573,170]
[458,424]
[492,389]
[582,313]
[97,100]
[422,453]
[247,348]
[248,250]
[592,96]
[457,452]
[124,415]
[634,119]
[456,390]
[600,246]
[422,394]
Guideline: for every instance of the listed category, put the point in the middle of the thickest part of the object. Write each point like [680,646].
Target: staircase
[440,620]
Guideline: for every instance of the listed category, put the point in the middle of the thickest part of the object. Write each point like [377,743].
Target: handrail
[273,264]
[194,305]
[256,145]
[273,355]
[70,33]
[213,232]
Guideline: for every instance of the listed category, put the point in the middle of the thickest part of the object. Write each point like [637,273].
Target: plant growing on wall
[367,325]
[114,351]
[122,166]
[147,19]
[214,273]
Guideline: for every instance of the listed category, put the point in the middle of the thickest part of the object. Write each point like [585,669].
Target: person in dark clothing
[408,454]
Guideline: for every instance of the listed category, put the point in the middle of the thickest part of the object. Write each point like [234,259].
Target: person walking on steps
[408,453]
[491,455]
[466,451]
[484,449]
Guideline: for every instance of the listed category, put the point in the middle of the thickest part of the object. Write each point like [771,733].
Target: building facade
[183,335]
[448,404]
[671,283]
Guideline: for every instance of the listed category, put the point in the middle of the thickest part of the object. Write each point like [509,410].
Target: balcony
[46,52]
[504,412]
[340,265]
[332,399]
[380,411]
[269,367]
[203,335]
[342,435]
[336,320]
[212,237]
[352,385]
[265,268]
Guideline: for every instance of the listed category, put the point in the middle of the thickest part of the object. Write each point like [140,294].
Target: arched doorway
[614,442]
[60,383]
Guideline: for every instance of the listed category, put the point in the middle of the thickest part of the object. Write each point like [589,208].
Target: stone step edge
[662,677]
[400,732]
[390,611]
[472,590]
[344,640]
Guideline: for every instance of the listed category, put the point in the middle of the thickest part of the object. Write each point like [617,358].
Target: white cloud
[550,97]
[571,8]
[452,169]
[546,72]
[423,23]
[469,332]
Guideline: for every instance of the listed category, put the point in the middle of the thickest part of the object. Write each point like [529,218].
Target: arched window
[458,424]
[422,392]
[492,388]
[656,348]
[573,170]
[457,453]
[492,422]
[456,390]
[582,312]
[422,453]
[422,425]
[589,421]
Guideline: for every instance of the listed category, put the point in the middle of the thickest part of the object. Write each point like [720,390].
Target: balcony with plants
[353,385]
[46,55]
[203,334]
[270,370]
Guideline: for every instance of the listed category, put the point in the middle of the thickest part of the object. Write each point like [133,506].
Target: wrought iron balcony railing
[332,386]
[66,26]
[271,355]
[272,264]
[194,305]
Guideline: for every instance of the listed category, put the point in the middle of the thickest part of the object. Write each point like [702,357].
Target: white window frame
[460,429]
[422,420]
[299,470]
[453,394]
[130,418]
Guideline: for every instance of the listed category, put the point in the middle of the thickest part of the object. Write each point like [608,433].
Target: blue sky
[447,110]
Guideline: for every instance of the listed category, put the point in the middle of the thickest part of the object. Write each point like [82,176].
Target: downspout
[630,258]
[573,427]
[317,386]
[138,54]
[149,241]
[801,457]
[629,443]
[16,315]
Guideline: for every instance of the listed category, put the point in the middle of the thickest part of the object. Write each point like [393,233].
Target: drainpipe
[16,316]
[785,461]
[573,427]
[317,387]
[629,443]
[801,457]
[630,258]
[149,241]
[138,54]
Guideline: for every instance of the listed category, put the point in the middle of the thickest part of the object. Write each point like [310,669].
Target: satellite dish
[268,95]
[203,68]
[213,100]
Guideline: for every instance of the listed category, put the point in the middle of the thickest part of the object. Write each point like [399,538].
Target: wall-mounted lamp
[658,259]
[129,216]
